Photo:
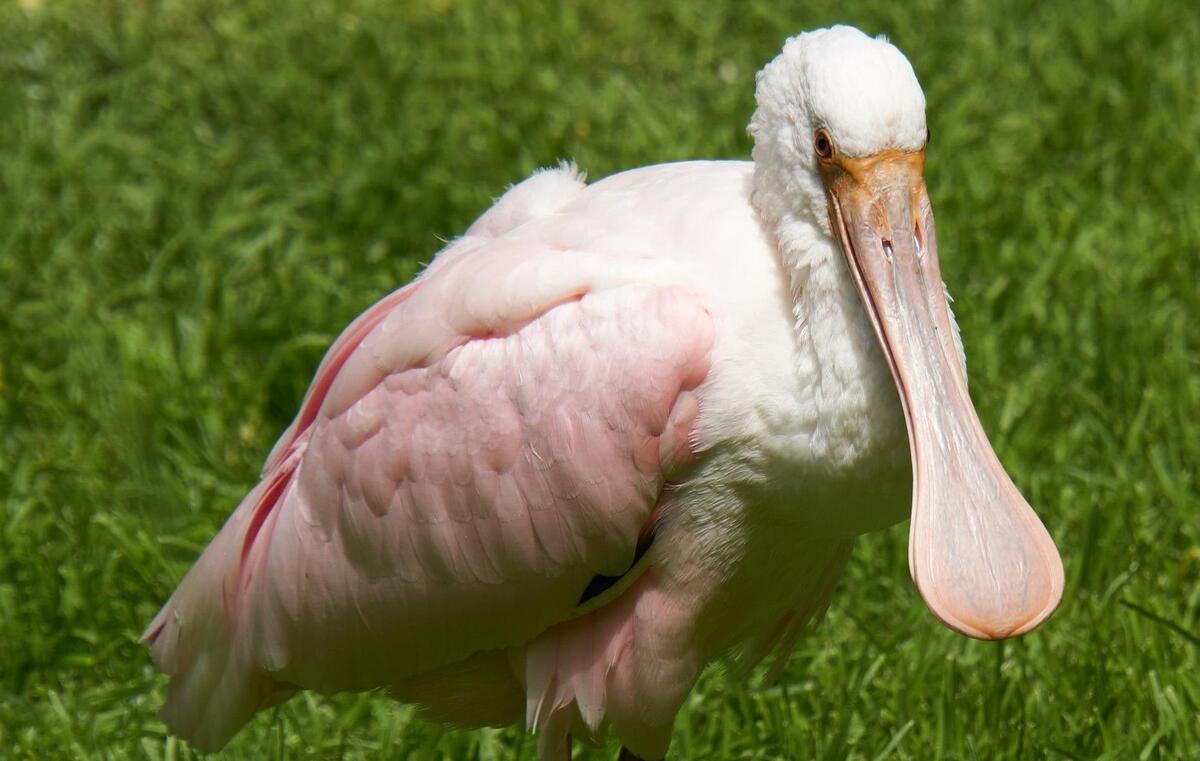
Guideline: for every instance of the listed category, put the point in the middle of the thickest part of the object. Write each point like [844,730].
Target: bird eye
[823,145]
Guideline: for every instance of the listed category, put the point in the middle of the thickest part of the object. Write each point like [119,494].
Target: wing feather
[473,450]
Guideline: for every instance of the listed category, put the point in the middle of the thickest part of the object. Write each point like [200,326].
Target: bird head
[840,135]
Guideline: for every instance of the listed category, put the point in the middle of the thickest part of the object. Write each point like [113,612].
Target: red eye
[823,145]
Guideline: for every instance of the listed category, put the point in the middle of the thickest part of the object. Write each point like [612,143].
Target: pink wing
[473,450]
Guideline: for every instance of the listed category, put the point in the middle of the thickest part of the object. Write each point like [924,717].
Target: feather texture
[459,470]
[682,352]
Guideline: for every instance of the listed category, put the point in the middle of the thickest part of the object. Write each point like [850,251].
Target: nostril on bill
[918,240]
[887,249]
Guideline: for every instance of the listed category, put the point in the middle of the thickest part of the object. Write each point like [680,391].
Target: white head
[860,90]
[839,145]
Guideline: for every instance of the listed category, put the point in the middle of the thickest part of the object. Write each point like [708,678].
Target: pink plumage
[618,431]
[460,468]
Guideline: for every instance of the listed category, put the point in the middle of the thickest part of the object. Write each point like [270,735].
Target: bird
[617,431]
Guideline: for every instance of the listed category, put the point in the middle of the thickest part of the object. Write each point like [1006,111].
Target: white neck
[840,363]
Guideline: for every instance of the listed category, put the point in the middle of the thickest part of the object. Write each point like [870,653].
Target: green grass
[196,196]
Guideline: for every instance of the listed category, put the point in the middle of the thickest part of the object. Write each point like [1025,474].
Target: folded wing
[473,451]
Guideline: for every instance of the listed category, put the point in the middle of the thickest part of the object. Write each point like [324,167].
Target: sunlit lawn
[196,196]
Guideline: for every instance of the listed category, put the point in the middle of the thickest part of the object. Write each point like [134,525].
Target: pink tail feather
[199,638]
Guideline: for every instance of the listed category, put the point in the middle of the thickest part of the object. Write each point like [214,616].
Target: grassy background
[196,196]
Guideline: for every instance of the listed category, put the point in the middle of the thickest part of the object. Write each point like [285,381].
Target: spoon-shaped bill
[980,557]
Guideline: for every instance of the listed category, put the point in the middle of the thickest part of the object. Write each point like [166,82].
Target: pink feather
[460,468]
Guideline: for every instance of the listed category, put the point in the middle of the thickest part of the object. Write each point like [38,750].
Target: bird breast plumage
[585,367]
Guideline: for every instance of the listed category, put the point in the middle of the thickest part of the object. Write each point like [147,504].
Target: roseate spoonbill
[616,431]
